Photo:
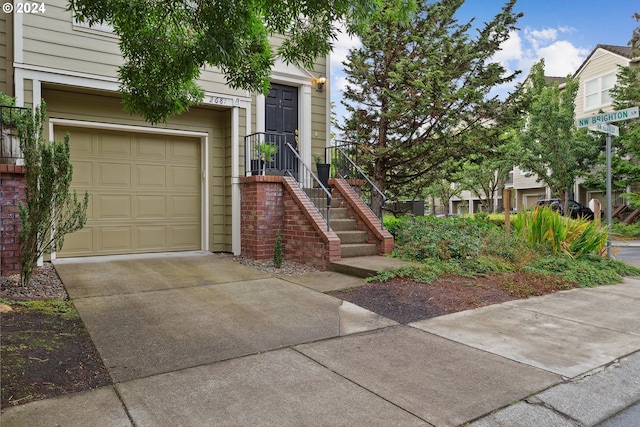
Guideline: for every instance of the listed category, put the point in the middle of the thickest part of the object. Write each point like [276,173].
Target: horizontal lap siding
[51,40]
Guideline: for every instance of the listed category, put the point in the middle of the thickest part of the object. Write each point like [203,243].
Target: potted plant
[323,170]
[266,151]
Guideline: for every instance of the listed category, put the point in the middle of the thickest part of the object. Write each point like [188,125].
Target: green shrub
[588,271]
[418,238]
[277,251]
[627,231]
[573,237]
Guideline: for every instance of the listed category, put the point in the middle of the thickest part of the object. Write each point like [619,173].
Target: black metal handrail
[343,160]
[311,185]
[282,158]
[260,158]
[10,151]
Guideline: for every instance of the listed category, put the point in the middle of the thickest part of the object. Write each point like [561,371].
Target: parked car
[576,209]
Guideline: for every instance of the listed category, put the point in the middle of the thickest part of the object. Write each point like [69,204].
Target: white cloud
[524,48]
[341,48]
[562,58]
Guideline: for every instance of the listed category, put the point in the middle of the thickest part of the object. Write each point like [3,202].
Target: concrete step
[365,266]
[350,237]
[344,224]
[335,202]
[339,213]
[358,249]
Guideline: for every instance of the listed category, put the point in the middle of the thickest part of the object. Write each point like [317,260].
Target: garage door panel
[114,175]
[151,176]
[182,235]
[151,148]
[81,143]
[113,207]
[80,241]
[114,239]
[83,174]
[152,207]
[152,237]
[112,144]
[185,207]
[181,149]
[144,193]
[183,177]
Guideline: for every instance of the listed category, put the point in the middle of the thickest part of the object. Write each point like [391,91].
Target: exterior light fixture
[321,80]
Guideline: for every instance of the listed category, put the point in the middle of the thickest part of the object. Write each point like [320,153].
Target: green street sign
[607,128]
[612,116]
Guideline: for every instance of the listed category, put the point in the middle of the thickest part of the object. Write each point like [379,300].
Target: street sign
[612,116]
[607,128]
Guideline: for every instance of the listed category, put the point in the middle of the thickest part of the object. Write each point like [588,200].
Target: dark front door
[281,125]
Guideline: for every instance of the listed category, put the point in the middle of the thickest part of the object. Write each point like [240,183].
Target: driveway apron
[156,314]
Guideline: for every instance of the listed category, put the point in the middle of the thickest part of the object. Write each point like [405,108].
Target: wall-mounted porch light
[320,81]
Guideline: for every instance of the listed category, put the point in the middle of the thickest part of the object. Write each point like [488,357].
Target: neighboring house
[169,187]
[597,76]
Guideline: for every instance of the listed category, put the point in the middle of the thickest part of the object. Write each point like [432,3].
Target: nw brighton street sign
[607,128]
[613,116]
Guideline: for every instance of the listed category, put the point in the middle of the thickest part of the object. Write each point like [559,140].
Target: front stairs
[353,242]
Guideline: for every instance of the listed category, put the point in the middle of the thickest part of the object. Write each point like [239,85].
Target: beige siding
[522,181]
[98,107]
[51,40]
[601,63]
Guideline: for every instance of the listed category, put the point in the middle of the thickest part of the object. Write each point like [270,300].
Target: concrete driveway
[154,314]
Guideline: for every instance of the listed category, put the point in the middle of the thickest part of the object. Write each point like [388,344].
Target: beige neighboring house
[168,187]
[597,76]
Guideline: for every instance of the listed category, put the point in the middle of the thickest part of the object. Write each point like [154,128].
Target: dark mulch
[44,355]
[406,301]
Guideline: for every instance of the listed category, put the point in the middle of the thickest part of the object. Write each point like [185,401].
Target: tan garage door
[144,192]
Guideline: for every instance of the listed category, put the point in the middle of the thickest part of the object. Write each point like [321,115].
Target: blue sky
[563,32]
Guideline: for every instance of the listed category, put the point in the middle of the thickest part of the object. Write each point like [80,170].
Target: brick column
[262,214]
[11,196]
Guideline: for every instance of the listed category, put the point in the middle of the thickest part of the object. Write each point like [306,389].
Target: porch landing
[365,266]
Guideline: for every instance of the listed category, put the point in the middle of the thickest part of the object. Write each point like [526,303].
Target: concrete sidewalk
[200,340]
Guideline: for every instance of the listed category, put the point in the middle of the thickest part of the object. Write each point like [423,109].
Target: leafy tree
[165,44]
[417,90]
[443,190]
[487,174]
[552,148]
[51,211]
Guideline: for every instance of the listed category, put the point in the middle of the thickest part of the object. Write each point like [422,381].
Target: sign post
[602,124]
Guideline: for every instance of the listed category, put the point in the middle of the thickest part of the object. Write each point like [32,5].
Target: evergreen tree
[51,211]
[418,89]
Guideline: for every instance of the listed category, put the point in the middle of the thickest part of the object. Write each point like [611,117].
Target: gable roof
[624,51]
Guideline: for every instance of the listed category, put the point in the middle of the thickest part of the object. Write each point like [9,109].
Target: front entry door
[281,125]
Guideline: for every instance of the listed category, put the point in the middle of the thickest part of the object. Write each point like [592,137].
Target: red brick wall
[262,214]
[269,203]
[11,195]
[306,239]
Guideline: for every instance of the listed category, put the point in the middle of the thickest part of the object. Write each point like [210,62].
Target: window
[597,91]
